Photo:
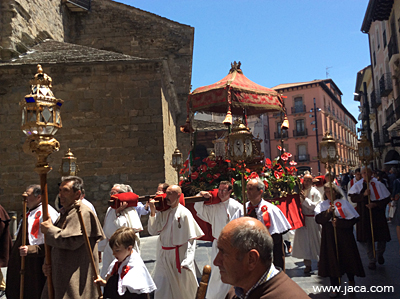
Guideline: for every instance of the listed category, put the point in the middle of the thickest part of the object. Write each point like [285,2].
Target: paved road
[387,275]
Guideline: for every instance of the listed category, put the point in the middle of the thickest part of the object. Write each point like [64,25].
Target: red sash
[375,191]
[177,259]
[339,207]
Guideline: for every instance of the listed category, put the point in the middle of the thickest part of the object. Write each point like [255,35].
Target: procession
[123,178]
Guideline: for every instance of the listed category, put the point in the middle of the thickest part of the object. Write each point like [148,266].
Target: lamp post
[328,155]
[366,154]
[241,149]
[41,119]
[315,109]
[177,161]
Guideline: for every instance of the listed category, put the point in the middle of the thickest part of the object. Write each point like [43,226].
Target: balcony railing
[299,109]
[300,133]
[385,84]
[375,99]
[392,47]
[302,158]
[277,135]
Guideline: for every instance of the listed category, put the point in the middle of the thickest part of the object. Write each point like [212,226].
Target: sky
[277,41]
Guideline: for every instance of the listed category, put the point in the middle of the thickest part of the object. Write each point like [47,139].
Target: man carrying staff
[268,214]
[70,268]
[33,251]
[174,274]
[218,215]
[380,197]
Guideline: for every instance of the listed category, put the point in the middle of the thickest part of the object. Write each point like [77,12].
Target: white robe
[279,223]
[380,188]
[177,228]
[354,204]
[218,215]
[128,218]
[137,280]
[307,239]
[347,209]
[31,219]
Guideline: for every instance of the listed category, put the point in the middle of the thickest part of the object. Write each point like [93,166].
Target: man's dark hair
[230,187]
[247,237]
[357,170]
[77,182]
[36,190]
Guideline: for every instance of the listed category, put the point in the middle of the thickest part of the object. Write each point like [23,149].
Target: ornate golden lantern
[240,142]
[365,152]
[68,165]
[177,161]
[328,150]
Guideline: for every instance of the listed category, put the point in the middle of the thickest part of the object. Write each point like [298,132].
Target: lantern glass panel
[173,160]
[361,152]
[34,89]
[324,152]
[23,116]
[47,114]
[332,151]
[73,167]
[178,160]
[65,167]
[58,117]
[367,151]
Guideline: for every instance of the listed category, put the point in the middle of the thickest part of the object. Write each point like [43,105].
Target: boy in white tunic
[218,215]
[174,273]
[269,214]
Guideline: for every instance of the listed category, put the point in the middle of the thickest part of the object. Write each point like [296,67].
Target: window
[302,150]
[300,125]
[298,105]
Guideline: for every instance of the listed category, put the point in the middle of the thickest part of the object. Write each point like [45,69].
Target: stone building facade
[124,75]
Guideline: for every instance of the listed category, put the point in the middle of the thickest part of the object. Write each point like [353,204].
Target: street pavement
[387,275]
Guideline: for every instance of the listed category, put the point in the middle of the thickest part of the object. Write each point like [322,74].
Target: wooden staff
[89,249]
[333,216]
[24,228]
[47,248]
[202,289]
[243,196]
[370,215]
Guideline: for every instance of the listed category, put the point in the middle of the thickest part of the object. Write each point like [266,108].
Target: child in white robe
[127,275]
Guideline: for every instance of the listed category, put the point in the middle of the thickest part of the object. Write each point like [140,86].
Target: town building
[378,85]
[313,108]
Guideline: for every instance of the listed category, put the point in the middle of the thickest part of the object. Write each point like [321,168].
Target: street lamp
[177,161]
[329,155]
[68,165]
[315,122]
[41,119]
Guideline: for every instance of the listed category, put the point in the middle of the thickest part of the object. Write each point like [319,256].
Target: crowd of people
[248,251]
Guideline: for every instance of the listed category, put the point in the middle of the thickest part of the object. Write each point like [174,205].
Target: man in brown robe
[70,263]
[245,261]
[5,244]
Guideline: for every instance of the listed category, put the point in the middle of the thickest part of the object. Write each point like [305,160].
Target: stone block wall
[26,22]
[111,121]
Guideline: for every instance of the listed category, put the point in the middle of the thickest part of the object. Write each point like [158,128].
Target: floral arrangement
[279,176]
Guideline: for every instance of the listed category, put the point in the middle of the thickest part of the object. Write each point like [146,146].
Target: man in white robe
[116,218]
[218,215]
[307,239]
[270,215]
[174,273]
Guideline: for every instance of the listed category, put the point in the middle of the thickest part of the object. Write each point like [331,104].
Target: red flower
[289,154]
[194,175]
[203,168]
[197,158]
[228,161]
[232,181]
[293,163]
[284,156]
[247,170]
[277,174]
[181,183]
[216,176]
[205,160]
[279,147]
[265,183]
[253,175]
[209,175]
[268,163]
[211,163]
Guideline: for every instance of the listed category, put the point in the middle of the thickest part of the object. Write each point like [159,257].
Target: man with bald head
[245,261]
[174,273]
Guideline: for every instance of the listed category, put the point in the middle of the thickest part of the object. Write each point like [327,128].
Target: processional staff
[24,228]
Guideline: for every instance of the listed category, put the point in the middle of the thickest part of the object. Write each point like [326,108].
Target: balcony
[300,133]
[299,109]
[393,47]
[385,85]
[385,134]
[277,135]
[302,158]
[377,140]
[78,5]
[375,99]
